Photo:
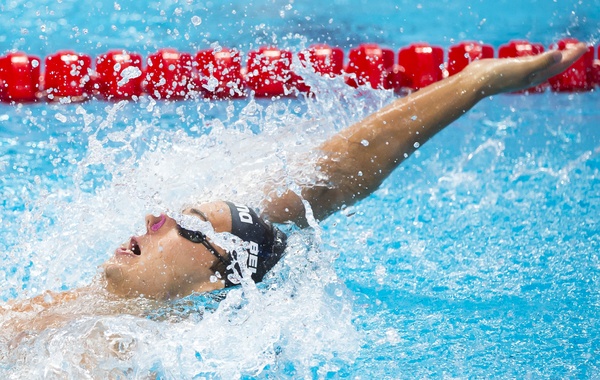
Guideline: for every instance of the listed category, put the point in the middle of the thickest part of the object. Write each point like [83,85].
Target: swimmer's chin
[114,281]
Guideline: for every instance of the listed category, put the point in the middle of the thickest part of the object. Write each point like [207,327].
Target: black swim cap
[265,243]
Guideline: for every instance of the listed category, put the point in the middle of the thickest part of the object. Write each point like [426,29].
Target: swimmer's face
[162,264]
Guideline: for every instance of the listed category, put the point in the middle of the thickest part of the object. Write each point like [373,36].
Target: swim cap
[265,243]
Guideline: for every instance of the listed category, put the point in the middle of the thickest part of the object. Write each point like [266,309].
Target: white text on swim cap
[244,213]
[253,256]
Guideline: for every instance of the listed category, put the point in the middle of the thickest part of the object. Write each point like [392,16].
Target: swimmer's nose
[154,223]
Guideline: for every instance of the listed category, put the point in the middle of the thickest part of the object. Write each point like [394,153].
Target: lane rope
[269,72]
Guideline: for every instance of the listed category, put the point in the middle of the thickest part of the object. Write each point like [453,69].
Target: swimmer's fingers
[554,62]
[513,74]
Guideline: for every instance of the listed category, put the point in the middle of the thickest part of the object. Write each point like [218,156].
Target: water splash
[151,157]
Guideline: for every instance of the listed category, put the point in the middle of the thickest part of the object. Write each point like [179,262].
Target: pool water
[478,257]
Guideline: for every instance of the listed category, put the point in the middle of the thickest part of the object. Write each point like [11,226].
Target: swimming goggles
[198,237]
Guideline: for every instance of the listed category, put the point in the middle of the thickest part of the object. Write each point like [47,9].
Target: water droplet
[35,63]
[128,73]
[416,145]
[60,117]
[413,117]
[365,142]
[196,20]
[212,84]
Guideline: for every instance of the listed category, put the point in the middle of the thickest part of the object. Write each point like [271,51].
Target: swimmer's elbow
[290,207]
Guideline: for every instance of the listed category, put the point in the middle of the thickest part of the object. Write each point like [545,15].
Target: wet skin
[161,264]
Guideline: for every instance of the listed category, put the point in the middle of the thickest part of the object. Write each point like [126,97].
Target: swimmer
[173,260]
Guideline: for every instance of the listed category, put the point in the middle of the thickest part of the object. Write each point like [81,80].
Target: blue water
[478,257]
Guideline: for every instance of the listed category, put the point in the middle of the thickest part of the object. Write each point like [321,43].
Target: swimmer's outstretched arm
[356,160]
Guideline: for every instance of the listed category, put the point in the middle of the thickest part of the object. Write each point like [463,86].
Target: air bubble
[196,20]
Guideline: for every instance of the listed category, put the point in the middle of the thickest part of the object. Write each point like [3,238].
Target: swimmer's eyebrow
[199,213]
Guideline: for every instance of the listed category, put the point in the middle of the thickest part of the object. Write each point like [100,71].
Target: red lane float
[518,48]
[370,64]
[269,72]
[596,69]
[169,75]
[578,77]
[118,75]
[324,60]
[172,75]
[423,64]
[460,55]
[67,76]
[220,73]
[19,78]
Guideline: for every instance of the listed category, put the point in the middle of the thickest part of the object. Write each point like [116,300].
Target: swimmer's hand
[513,74]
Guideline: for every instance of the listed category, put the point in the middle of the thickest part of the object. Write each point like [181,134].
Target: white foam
[152,165]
